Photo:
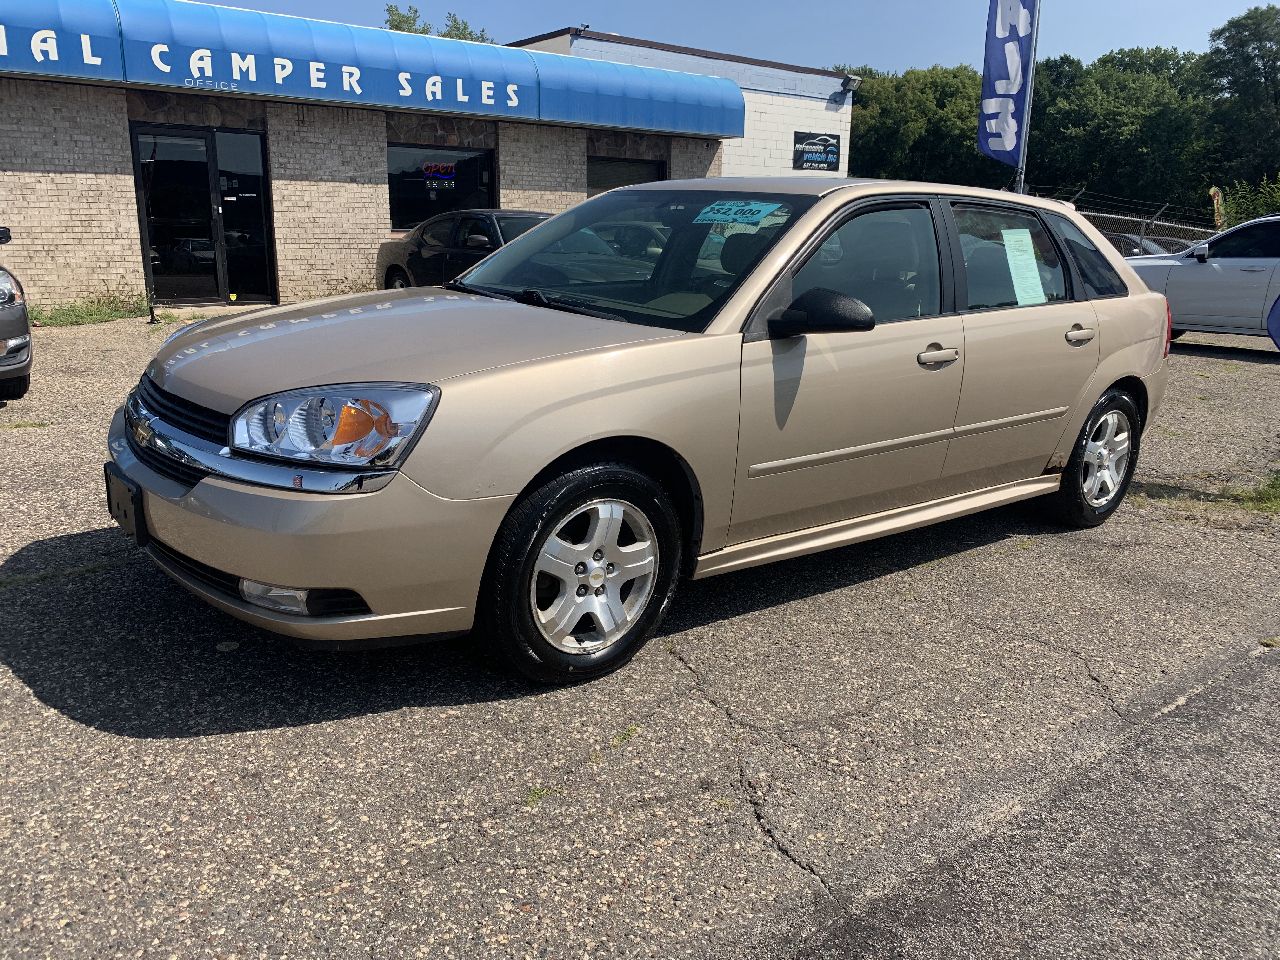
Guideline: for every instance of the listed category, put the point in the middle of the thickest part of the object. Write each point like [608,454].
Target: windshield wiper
[478,291]
[536,298]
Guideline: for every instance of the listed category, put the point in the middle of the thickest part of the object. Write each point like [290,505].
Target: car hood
[425,335]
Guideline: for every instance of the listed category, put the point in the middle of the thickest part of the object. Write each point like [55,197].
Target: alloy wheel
[593,576]
[1106,459]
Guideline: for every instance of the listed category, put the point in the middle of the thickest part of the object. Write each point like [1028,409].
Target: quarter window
[1100,277]
[1009,259]
[1258,242]
[888,259]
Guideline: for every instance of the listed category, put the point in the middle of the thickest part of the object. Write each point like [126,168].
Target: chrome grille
[184,415]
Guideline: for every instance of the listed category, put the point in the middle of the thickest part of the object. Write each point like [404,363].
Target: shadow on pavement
[98,633]
[1265,352]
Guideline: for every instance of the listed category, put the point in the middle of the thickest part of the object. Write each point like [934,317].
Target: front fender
[495,430]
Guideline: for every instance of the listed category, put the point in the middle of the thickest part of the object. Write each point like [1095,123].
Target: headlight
[351,425]
[10,289]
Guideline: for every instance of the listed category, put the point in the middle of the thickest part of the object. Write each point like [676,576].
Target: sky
[887,34]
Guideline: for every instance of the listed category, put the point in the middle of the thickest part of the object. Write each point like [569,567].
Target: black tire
[397,279]
[14,389]
[1176,334]
[505,616]
[1069,505]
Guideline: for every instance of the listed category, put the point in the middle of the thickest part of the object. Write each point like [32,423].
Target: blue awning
[204,48]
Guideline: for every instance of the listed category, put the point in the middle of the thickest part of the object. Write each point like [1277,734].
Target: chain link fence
[1138,228]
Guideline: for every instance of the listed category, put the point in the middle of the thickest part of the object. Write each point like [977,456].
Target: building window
[427,181]
[605,173]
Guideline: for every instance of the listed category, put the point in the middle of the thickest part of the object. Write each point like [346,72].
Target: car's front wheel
[397,279]
[15,388]
[581,573]
[1102,463]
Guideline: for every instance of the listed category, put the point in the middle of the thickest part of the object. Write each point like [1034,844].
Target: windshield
[661,258]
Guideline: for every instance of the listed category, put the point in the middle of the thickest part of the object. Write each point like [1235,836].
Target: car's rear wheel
[15,388]
[581,573]
[397,279]
[1102,462]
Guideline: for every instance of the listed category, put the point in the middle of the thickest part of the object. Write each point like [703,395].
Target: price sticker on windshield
[749,212]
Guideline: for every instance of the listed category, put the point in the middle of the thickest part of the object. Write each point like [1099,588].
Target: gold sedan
[542,450]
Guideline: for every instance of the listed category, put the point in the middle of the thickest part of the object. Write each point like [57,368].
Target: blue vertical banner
[1006,80]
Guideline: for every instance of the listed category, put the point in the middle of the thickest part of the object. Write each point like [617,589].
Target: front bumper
[416,559]
[15,360]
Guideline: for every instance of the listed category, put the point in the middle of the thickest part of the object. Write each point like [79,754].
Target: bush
[109,306]
[1245,201]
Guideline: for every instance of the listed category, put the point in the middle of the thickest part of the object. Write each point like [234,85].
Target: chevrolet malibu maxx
[539,453]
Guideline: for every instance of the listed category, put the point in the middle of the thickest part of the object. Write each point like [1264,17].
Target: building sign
[55,38]
[205,48]
[816,151]
[439,176]
[1002,126]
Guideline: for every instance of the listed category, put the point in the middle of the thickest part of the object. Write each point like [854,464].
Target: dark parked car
[1133,245]
[15,334]
[439,249]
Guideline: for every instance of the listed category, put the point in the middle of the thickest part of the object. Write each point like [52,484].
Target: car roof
[489,211]
[824,186]
[1269,218]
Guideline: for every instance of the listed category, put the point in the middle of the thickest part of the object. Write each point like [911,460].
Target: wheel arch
[395,268]
[1138,390]
[649,456]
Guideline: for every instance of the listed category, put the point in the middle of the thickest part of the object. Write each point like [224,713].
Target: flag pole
[1021,186]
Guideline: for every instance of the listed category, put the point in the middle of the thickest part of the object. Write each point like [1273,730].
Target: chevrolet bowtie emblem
[142,432]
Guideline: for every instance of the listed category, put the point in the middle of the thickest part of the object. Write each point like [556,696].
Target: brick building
[788,107]
[206,154]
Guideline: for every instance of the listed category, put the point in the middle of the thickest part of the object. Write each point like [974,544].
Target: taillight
[1168,330]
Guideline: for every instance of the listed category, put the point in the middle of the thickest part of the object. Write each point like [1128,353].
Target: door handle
[1079,334]
[1254,269]
[937,354]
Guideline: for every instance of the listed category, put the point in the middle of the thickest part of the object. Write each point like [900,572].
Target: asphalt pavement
[988,738]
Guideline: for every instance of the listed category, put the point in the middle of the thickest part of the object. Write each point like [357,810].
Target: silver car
[1229,284]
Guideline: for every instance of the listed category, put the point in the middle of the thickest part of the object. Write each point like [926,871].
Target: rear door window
[1009,258]
[1100,278]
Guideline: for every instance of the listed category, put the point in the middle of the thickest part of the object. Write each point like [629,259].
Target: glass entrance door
[206,231]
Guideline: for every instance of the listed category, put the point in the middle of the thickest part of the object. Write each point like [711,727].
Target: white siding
[772,122]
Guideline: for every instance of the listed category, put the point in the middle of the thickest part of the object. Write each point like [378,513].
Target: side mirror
[822,311]
[5,235]
[478,241]
[1201,252]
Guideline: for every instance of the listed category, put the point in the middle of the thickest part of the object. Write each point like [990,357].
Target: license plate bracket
[124,503]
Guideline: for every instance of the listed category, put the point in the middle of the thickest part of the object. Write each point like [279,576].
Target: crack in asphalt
[755,796]
[1107,696]
[757,799]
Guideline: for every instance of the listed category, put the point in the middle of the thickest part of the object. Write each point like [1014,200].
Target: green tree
[410,20]
[1243,64]
[920,125]
[1132,124]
